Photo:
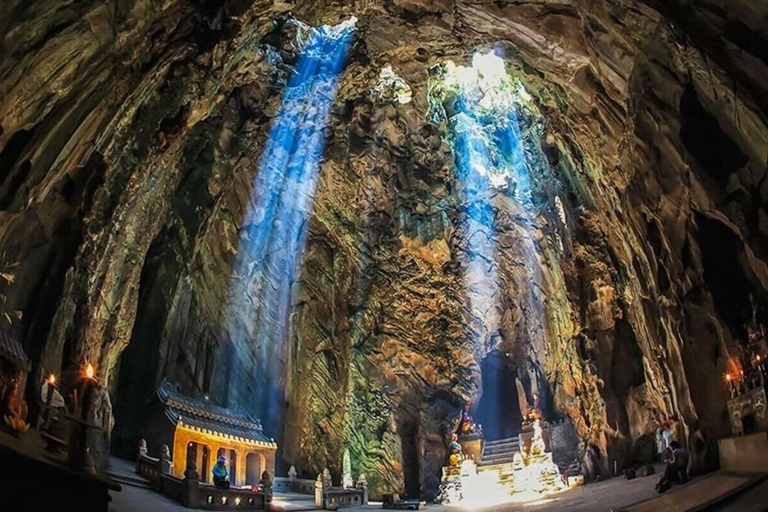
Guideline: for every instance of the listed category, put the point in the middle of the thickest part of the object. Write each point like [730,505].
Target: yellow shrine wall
[184,434]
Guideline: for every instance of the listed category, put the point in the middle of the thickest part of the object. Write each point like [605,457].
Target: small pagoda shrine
[199,431]
[485,474]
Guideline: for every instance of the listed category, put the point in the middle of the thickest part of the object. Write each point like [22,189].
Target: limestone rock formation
[130,139]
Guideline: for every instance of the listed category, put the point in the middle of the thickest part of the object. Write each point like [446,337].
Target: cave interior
[357,226]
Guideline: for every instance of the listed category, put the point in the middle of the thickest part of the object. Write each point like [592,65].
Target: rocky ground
[130,136]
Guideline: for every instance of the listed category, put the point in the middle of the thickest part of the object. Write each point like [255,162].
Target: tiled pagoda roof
[11,350]
[202,414]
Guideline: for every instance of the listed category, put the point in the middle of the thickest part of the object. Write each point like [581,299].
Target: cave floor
[613,494]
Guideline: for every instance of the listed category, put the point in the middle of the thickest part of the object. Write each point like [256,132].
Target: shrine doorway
[498,410]
[255,464]
[200,454]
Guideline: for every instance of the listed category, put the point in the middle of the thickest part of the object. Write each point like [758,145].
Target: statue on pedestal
[454,459]
[537,442]
[467,424]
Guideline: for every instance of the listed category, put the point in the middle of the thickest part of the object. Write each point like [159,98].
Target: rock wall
[130,135]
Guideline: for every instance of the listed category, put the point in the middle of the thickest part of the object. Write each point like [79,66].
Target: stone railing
[149,468]
[191,493]
[297,485]
[330,498]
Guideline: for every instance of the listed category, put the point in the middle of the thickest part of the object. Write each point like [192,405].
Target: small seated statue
[220,473]
[454,460]
[533,412]
[467,424]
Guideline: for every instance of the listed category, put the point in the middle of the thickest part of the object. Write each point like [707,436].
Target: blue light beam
[274,230]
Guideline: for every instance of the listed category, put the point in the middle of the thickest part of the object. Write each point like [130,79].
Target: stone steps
[495,450]
[500,451]
[124,472]
[498,459]
[502,442]
[132,480]
[502,468]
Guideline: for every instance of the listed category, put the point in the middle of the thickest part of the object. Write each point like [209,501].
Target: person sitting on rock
[220,473]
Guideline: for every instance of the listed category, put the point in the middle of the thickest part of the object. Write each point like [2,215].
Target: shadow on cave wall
[617,358]
[140,362]
[184,356]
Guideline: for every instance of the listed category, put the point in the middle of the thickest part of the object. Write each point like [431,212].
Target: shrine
[503,470]
[196,430]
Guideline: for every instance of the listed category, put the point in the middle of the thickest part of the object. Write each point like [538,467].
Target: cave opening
[498,410]
[408,430]
[721,252]
[704,138]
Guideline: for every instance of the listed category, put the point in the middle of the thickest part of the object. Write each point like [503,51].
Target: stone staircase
[498,457]
[123,471]
[500,451]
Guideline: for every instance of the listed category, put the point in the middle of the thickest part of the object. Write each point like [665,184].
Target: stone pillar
[269,461]
[242,458]
[199,459]
[179,454]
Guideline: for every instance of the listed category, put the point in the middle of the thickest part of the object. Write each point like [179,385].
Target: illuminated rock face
[131,135]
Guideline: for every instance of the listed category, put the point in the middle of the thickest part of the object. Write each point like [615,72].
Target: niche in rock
[408,430]
[717,154]
[724,274]
[11,174]
[498,410]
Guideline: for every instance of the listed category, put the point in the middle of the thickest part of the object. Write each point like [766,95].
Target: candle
[90,372]
[729,379]
[89,388]
[51,381]
[79,454]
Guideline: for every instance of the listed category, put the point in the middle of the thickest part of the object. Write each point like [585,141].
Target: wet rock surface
[130,138]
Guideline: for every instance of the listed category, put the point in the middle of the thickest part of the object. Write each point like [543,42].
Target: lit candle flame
[52,380]
[89,371]
[728,377]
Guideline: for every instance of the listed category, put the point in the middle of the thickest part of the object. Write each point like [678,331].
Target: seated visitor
[676,471]
[220,473]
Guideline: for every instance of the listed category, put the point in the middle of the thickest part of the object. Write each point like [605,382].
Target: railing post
[165,460]
[319,490]
[362,483]
[266,486]
[191,494]
[142,452]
